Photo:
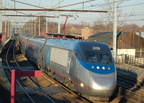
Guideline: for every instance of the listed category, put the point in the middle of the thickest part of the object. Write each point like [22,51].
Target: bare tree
[107,19]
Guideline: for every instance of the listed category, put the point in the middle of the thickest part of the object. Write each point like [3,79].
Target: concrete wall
[126,51]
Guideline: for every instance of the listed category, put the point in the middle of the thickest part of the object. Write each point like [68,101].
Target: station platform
[1,47]
[4,86]
[3,76]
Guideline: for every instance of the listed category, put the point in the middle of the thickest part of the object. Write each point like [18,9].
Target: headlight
[81,84]
[103,68]
[98,67]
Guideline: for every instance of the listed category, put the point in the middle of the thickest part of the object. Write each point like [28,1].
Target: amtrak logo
[95,48]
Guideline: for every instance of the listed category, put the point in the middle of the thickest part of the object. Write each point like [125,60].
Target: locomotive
[86,67]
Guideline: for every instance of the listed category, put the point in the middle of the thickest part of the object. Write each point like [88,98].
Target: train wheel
[66,81]
[71,86]
[51,74]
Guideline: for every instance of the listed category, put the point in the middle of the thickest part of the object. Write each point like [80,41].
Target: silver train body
[87,67]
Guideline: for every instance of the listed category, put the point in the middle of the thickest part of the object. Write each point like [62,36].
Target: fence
[131,60]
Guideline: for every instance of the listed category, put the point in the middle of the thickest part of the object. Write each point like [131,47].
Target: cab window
[91,57]
[105,58]
[98,57]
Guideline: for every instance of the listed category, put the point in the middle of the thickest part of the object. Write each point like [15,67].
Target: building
[86,32]
[128,43]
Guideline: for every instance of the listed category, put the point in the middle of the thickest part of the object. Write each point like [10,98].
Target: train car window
[91,57]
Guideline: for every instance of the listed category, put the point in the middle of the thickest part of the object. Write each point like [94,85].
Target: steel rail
[10,71]
[48,76]
[127,82]
[51,100]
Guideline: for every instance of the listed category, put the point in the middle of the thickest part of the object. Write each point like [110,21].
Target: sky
[129,11]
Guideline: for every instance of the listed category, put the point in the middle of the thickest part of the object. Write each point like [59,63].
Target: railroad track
[131,90]
[129,83]
[37,90]
[12,62]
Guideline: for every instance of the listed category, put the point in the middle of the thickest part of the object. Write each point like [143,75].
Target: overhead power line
[76,3]
[56,7]
[131,5]
[28,4]
[54,10]
[32,16]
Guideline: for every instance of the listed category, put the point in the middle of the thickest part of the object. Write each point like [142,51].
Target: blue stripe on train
[98,67]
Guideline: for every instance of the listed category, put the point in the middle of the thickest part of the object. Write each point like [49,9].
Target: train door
[46,57]
[40,56]
[77,68]
[72,73]
[68,64]
[72,67]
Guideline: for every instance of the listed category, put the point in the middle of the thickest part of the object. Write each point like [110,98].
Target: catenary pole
[39,25]
[46,18]
[115,30]
[0,16]
[59,19]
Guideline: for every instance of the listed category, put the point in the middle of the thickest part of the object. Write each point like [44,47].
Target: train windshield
[96,57]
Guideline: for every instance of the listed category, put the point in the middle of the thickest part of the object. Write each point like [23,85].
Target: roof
[141,34]
[104,36]
[75,36]
[72,44]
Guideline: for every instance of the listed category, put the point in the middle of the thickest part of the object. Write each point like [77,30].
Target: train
[87,68]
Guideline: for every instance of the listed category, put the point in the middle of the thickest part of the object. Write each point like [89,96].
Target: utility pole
[39,25]
[46,25]
[59,21]
[1,16]
[5,29]
[46,19]
[35,30]
[115,31]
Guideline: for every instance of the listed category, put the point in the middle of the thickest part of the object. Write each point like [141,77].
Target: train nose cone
[102,83]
